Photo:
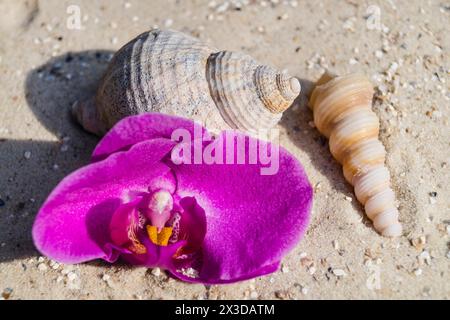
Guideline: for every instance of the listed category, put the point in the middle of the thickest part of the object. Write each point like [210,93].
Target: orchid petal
[134,129]
[252,220]
[73,224]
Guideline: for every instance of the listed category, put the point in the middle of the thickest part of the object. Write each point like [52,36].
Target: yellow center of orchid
[159,238]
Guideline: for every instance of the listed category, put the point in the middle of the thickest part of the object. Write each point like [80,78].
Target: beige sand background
[402,46]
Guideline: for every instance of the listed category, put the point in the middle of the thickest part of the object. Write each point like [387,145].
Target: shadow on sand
[50,91]
[296,122]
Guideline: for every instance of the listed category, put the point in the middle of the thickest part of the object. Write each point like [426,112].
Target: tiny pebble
[66,270]
[223,7]
[335,245]
[317,186]
[42,267]
[419,243]
[352,61]
[54,265]
[349,199]
[72,276]
[305,290]
[339,273]
[254,295]
[349,24]
[285,269]
[418,272]
[106,277]
[425,257]
[6,294]
[312,270]
[156,272]
[27,155]
[168,23]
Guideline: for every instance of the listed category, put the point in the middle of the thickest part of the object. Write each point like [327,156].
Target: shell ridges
[170,72]
[342,108]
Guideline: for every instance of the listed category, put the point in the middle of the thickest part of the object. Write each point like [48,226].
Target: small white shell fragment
[156,272]
[106,277]
[339,272]
[54,265]
[42,267]
[67,269]
[424,257]
[72,276]
[335,245]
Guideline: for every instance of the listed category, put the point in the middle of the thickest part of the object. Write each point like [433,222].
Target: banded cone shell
[173,73]
[342,108]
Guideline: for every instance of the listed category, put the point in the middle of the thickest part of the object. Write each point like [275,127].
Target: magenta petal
[252,220]
[73,224]
[134,129]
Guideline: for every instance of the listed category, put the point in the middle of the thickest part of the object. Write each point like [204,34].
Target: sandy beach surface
[47,63]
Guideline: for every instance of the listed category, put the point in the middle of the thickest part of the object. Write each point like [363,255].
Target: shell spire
[276,90]
[247,94]
[342,108]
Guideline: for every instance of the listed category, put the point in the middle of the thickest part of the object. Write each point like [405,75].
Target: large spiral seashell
[170,72]
[342,108]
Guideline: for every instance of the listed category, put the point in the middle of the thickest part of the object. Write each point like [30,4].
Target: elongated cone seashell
[173,73]
[342,108]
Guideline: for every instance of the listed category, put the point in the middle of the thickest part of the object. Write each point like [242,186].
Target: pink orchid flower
[208,223]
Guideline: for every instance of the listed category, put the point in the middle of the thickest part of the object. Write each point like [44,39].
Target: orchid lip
[159,229]
[159,209]
[149,221]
